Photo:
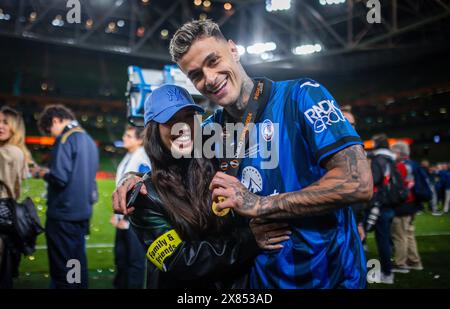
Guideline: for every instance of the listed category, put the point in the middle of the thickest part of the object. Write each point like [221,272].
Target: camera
[372,217]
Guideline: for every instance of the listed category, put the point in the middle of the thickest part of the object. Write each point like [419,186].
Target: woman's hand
[119,196]
[269,236]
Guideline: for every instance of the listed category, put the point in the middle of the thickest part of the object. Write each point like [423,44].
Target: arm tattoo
[348,180]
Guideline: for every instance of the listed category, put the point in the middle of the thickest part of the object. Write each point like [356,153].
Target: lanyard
[255,106]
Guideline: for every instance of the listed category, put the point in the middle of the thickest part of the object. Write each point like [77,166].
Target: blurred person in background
[444,184]
[403,230]
[433,203]
[14,161]
[382,165]
[72,190]
[128,250]
[359,208]
[437,174]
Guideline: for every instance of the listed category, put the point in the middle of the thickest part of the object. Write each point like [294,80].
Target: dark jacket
[72,188]
[408,170]
[216,261]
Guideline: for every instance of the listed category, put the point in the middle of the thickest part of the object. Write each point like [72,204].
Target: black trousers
[66,248]
[130,260]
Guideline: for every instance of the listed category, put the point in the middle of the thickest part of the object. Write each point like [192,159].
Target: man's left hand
[236,195]
[39,172]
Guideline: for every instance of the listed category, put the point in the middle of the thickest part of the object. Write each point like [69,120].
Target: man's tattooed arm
[348,180]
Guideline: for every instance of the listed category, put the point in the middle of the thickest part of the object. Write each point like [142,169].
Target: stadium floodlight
[266,56]
[241,49]
[259,48]
[329,2]
[307,49]
[4,16]
[277,5]
[57,21]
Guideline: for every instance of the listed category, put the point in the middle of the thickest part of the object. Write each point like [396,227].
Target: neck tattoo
[237,110]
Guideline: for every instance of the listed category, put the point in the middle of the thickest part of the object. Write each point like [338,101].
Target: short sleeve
[326,130]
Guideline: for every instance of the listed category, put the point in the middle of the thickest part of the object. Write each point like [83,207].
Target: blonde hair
[402,148]
[17,128]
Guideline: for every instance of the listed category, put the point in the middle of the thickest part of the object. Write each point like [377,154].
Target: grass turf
[433,238]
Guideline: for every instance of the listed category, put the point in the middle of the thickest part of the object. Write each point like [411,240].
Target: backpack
[392,191]
[21,221]
[422,191]
[28,225]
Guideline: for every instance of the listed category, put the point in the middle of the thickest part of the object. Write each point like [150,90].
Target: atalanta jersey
[300,126]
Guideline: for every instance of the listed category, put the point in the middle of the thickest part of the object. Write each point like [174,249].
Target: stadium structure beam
[155,26]
[445,6]
[308,33]
[394,15]
[17,24]
[404,29]
[350,22]
[98,24]
[327,27]
[133,23]
[185,13]
[359,44]
[44,14]
[84,45]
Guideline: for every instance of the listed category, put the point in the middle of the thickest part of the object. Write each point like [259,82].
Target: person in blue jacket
[72,191]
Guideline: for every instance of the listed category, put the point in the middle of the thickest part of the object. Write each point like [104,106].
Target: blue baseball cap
[165,101]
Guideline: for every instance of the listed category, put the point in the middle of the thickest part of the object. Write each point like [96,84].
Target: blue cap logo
[165,101]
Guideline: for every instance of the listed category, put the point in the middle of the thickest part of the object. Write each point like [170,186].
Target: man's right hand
[119,196]
[270,235]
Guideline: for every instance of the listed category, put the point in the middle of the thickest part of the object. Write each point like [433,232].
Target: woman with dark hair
[187,245]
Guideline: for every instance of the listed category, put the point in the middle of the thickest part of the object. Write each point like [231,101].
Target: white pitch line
[88,246]
[420,235]
[433,234]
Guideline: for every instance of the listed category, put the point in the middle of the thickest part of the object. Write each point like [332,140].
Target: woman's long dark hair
[183,186]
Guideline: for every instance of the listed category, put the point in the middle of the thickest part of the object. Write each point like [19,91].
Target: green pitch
[433,242]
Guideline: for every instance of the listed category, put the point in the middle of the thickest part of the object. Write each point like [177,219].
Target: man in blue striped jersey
[322,166]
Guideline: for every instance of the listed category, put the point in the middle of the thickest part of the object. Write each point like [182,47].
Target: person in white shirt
[129,253]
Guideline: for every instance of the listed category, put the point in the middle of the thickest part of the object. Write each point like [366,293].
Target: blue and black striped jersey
[300,126]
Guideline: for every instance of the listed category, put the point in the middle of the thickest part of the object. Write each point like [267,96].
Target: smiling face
[177,134]
[213,67]
[5,129]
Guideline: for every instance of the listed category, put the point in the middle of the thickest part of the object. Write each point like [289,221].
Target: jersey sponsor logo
[315,85]
[267,130]
[323,115]
[251,178]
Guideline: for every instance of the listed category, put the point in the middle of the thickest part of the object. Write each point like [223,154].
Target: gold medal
[218,213]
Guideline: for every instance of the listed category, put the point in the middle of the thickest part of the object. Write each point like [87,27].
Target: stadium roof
[339,34]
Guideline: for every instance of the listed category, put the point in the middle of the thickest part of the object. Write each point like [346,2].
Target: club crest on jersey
[251,178]
[323,115]
[267,130]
